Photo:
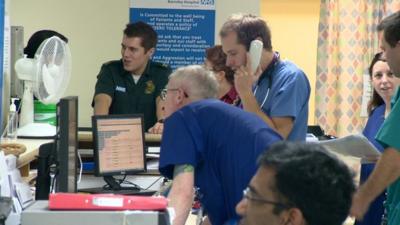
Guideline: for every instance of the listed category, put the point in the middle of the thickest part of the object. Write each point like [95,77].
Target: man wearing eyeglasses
[297,184]
[208,144]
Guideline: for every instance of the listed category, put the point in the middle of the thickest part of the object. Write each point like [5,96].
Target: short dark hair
[391,28]
[144,31]
[247,27]
[310,179]
[376,99]
[37,38]
[217,57]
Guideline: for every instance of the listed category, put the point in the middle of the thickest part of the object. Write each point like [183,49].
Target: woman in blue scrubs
[384,86]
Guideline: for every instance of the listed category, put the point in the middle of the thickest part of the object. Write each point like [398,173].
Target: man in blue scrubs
[208,144]
[278,91]
[387,170]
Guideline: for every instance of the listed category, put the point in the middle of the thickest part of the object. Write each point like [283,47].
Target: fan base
[37,131]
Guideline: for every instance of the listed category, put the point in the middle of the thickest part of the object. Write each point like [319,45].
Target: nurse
[384,84]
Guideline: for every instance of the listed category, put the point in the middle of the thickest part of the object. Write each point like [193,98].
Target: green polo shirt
[128,97]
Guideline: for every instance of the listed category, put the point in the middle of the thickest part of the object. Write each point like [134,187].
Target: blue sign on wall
[183,34]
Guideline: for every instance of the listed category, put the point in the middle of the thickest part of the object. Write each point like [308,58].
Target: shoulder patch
[110,62]
[150,87]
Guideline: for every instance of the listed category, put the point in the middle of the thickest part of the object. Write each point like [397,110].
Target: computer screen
[67,144]
[118,142]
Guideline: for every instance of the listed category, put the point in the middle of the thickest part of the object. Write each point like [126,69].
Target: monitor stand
[113,187]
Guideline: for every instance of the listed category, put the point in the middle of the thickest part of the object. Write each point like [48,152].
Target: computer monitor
[67,144]
[57,161]
[118,142]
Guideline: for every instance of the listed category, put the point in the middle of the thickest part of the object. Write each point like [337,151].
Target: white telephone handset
[255,51]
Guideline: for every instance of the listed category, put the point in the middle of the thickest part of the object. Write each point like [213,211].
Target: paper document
[154,150]
[354,145]
[152,165]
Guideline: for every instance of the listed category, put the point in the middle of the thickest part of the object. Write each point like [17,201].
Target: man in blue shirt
[278,91]
[208,144]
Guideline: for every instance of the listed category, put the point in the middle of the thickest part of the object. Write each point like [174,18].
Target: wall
[294,28]
[94,28]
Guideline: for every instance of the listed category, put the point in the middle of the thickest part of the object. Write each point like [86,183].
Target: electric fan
[47,77]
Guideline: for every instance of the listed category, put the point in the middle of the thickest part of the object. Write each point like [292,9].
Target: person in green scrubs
[387,170]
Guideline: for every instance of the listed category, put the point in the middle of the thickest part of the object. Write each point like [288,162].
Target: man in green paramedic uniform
[387,170]
[134,83]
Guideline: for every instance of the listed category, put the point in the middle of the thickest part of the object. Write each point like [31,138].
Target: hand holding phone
[255,51]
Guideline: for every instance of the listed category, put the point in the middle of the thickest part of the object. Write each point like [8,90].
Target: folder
[73,201]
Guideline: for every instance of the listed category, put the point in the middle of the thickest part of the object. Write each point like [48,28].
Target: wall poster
[185,28]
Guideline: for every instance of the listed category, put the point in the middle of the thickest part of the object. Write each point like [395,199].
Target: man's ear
[293,216]
[220,75]
[150,52]
[179,97]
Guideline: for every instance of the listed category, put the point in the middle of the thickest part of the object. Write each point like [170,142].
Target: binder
[74,201]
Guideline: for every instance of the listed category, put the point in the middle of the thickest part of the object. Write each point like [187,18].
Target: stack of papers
[353,145]
[153,152]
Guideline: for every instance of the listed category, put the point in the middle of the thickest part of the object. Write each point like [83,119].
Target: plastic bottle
[12,121]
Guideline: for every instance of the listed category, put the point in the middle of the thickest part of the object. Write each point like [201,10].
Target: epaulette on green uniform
[161,65]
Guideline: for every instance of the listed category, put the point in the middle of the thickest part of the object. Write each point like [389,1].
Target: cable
[80,168]
[123,181]
[131,183]
[153,183]
[53,176]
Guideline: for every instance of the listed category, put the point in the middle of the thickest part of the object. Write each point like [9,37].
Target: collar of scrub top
[267,73]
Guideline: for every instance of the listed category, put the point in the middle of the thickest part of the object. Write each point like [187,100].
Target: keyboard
[122,191]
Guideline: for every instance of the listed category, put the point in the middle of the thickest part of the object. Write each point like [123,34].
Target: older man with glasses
[208,144]
[297,184]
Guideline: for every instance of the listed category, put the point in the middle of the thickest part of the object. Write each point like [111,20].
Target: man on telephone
[277,91]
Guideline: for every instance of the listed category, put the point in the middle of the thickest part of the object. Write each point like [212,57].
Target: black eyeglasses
[247,194]
[163,94]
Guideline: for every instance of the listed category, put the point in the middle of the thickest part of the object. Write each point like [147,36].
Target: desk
[86,140]
[32,151]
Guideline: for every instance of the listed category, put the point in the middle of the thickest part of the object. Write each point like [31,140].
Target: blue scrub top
[283,91]
[376,210]
[374,123]
[223,143]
